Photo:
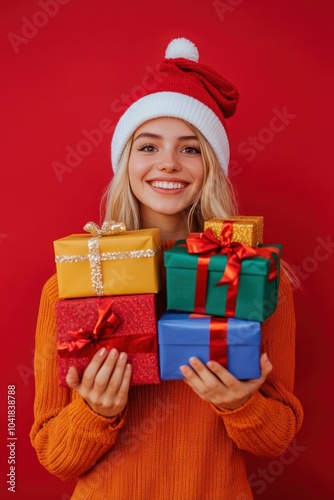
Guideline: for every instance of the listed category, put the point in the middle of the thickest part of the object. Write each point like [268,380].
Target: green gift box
[256,294]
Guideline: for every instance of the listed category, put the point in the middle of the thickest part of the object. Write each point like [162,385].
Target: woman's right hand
[105,382]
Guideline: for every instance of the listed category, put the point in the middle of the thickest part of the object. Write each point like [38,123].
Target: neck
[172,227]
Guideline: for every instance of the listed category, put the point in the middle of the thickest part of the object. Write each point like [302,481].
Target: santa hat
[185,89]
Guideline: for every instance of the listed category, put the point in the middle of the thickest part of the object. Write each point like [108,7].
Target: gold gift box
[247,229]
[123,264]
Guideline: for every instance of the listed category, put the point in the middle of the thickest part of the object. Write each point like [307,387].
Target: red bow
[206,244]
[106,325]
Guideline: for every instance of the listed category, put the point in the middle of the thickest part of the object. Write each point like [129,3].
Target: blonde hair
[217,198]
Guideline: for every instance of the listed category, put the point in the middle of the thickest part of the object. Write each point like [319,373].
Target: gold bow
[108,228]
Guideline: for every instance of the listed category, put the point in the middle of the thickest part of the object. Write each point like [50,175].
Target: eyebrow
[149,135]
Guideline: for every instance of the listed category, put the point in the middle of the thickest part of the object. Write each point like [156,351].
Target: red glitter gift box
[126,322]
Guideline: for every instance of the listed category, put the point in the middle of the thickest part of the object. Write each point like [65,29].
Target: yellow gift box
[108,262]
[247,229]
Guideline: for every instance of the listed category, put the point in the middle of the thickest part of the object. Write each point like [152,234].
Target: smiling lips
[167,185]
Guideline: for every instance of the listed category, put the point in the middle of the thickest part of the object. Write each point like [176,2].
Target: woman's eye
[192,150]
[147,148]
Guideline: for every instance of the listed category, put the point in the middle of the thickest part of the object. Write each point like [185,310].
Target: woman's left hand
[213,383]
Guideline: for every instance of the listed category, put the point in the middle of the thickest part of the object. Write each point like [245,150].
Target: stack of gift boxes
[108,281]
[221,285]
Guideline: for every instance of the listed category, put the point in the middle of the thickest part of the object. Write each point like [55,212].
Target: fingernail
[113,353]
[265,357]
[102,351]
[123,356]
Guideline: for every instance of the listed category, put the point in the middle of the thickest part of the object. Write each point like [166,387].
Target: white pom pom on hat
[181,88]
[181,47]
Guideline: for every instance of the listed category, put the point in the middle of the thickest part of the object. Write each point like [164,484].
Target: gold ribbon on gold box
[108,261]
[247,229]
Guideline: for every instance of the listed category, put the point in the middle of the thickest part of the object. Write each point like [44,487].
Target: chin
[170,211]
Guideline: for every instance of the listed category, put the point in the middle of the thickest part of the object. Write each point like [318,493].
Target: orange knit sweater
[167,444]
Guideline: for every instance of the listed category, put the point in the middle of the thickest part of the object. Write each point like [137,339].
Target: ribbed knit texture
[167,444]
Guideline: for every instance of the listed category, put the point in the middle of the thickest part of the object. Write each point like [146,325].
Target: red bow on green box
[206,245]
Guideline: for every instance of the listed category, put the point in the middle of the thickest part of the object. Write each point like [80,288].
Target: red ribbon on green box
[206,244]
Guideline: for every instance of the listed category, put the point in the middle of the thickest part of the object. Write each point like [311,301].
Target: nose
[168,162]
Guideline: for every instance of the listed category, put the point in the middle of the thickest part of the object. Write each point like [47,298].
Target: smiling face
[165,167]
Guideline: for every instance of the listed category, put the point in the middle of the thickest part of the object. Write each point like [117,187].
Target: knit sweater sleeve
[270,419]
[67,435]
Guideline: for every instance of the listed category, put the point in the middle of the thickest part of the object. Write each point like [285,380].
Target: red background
[63,76]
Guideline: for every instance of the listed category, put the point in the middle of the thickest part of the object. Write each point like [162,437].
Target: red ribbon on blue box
[235,343]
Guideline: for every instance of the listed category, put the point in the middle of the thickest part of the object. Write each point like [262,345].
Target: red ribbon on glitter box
[127,323]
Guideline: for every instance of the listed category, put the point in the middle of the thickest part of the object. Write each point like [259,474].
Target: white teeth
[167,185]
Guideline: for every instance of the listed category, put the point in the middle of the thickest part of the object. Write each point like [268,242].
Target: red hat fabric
[185,89]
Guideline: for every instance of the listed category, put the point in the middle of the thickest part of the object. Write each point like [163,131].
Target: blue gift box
[181,336]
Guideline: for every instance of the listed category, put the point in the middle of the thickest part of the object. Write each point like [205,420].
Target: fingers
[114,374]
[203,382]
[222,373]
[105,382]
[72,378]
[105,372]
[110,374]
[121,397]
[266,366]
[198,376]
[214,383]
[88,378]
[229,380]
[207,373]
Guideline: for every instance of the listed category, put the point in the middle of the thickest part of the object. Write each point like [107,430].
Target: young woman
[185,439]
